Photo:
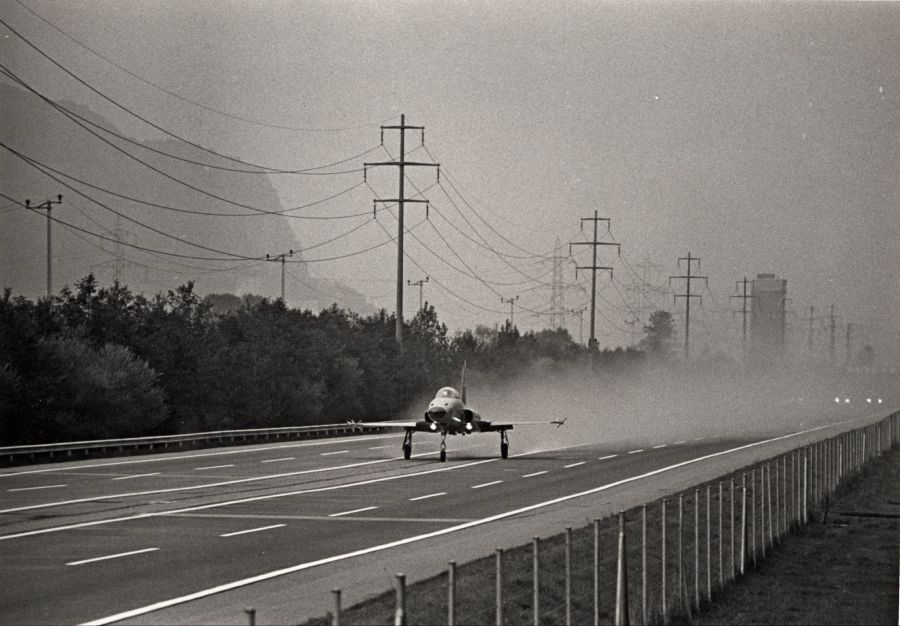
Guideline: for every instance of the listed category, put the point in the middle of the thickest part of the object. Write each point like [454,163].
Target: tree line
[102,362]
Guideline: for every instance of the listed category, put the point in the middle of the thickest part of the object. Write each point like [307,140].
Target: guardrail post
[451,593]
[664,601]
[568,577]
[336,614]
[621,578]
[596,590]
[644,564]
[498,584]
[400,601]
[536,580]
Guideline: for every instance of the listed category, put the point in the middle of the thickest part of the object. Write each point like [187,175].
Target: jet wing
[487,427]
[416,425]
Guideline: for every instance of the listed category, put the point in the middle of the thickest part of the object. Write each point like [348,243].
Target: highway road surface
[198,536]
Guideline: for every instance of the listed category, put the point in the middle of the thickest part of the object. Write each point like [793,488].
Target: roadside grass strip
[252,530]
[111,556]
[437,533]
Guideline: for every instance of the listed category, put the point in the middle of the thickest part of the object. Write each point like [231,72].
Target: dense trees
[96,362]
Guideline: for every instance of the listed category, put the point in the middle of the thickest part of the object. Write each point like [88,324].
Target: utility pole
[419,283]
[809,333]
[592,342]
[687,296]
[401,200]
[280,257]
[580,314]
[510,302]
[744,310]
[47,205]
[831,329]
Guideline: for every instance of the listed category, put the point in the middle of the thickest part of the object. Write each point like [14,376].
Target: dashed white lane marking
[111,556]
[635,451]
[287,458]
[493,482]
[574,464]
[608,456]
[252,530]
[380,447]
[534,474]
[430,495]
[336,452]
[135,476]
[367,508]
[662,445]
[34,488]
[678,443]
[197,469]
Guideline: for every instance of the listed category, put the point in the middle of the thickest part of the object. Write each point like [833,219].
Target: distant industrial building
[767,317]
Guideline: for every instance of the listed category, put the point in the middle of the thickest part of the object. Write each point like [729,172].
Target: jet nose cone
[437,412]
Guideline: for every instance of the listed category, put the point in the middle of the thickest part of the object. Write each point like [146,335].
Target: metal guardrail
[12,454]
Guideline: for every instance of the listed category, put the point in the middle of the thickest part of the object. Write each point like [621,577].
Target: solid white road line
[437,533]
[574,464]
[367,508]
[635,451]
[34,488]
[430,495]
[493,482]
[135,476]
[199,469]
[534,474]
[287,458]
[662,445]
[112,556]
[608,456]
[337,452]
[252,530]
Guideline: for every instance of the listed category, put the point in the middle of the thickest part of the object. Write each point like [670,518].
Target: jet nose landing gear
[407,444]
[504,445]
[443,446]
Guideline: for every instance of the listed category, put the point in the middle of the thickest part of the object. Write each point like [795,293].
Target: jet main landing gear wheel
[407,445]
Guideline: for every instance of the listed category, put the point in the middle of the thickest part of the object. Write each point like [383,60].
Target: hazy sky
[761,137]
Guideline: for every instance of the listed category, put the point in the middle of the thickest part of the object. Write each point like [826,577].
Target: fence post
[664,600]
[708,544]
[596,589]
[762,508]
[536,580]
[336,615]
[568,576]
[721,539]
[777,532]
[644,564]
[731,527]
[451,593]
[251,616]
[681,581]
[400,601]
[622,578]
[498,584]
[744,529]
[784,514]
[805,517]
[753,516]
[697,546]
[769,500]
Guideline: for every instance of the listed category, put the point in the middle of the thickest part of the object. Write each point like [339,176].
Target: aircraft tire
[504,450]
[443,455]
[407,452]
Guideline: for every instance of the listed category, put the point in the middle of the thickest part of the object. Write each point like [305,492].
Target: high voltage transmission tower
[119,261]
[744,310]
[281,258]
[687,296]
[47,205]
[580,314]
[592,342]
[831,329]
[510,302]
[809,333]
[557,295]
[643,292]
[401,201]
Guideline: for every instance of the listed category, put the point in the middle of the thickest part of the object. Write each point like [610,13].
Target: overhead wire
[193,102]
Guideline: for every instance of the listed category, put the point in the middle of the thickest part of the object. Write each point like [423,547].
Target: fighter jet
[448,414]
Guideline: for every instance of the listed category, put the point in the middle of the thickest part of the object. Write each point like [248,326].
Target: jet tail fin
[463,383]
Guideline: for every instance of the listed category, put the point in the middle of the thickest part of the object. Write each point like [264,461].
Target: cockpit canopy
[447,392]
